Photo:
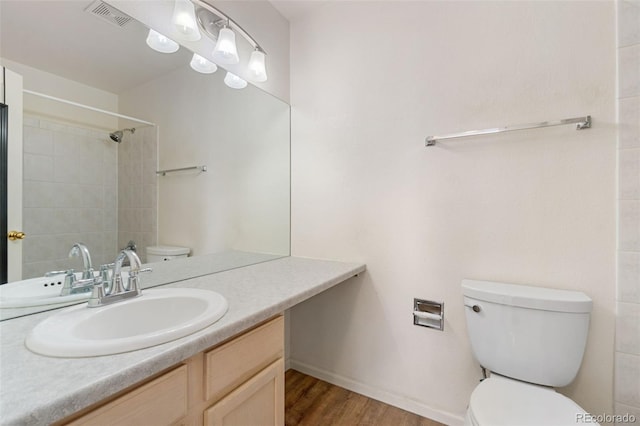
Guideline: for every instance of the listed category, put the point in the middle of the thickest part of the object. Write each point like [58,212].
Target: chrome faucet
[114,290]
[71,284]
[79,249]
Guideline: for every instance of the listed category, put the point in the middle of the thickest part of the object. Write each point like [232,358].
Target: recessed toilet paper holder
[428,313]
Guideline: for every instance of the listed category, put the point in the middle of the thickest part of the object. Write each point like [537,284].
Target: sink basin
[157,316]
[37,292]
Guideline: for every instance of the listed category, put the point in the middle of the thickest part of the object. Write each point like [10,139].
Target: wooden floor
[312,402]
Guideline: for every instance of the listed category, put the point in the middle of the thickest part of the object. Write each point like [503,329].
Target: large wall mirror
[79,185]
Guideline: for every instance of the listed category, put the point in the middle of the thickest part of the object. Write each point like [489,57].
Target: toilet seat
[501,401]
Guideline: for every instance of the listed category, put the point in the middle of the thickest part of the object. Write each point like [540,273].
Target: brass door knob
[16,235]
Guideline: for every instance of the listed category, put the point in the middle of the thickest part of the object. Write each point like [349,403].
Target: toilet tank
[533,334]
[163,253]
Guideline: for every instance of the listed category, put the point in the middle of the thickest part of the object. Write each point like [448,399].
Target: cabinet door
[235,362]
[163,401]
[258,402]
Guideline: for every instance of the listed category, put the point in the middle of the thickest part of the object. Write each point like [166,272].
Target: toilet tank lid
[547,299]
[168,250]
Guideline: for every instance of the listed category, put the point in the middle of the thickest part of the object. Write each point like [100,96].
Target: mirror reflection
[92,177]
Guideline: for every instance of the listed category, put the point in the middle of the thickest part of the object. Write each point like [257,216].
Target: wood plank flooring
[313,402]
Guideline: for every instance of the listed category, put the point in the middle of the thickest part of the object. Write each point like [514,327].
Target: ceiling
[61,38]
[296,9]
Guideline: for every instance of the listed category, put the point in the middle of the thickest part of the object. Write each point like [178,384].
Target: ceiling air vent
[108,13]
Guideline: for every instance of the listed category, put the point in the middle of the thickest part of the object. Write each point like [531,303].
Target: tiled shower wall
[69,195]
[627,364]
[137,189]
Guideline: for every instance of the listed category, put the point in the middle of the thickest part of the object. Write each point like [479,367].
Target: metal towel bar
[164,172]
[581,123]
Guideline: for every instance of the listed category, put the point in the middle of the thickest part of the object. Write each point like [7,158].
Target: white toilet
[532,339]
[162,253]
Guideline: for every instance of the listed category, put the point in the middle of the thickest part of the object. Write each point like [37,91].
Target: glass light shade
[234,81]
[225,51]
[184,19]
[202,65]
[257,69]
[160,43]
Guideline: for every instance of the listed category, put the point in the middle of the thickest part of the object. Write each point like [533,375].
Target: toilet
[162,253]
[532,340]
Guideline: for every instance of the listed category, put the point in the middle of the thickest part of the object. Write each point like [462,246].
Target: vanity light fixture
[226,51]
[161,43]
[190,17]
[184,20]
[202,65]
[257,68]
[234,81]
[220,28]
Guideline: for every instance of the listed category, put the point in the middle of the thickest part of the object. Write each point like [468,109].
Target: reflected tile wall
[69,187]
[627,366]
[137,189]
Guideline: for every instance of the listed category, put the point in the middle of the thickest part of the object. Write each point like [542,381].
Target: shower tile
[110,198]
[149,196]
[627,379]
[37,141]
[629,112]
[52,125]
[628,23]
[39,248]
[622,409]
[39,221]
[628,328]
[38,194]
[38,167]
[629,174]
[147,220]
[628,277]
[29,120]
[629,71]
[629,225]
[149,168]
[81,131]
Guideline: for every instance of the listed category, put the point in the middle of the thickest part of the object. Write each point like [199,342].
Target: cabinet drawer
[233,363]
[259,401]
[162,401]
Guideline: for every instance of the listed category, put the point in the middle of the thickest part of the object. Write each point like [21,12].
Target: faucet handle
[133,283]
[54,273]
[97,295]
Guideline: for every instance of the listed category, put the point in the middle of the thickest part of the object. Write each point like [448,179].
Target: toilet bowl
[532,339]
[500,401]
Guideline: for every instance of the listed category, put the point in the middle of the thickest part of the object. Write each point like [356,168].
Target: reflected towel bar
[581,123]
[164,172]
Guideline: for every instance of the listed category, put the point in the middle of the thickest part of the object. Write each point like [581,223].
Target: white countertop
[38,390]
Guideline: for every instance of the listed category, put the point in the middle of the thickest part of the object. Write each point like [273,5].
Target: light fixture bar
[230,23]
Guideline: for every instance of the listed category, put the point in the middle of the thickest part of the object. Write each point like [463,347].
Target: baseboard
[378,394]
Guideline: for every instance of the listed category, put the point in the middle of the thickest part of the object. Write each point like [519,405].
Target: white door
[12,96]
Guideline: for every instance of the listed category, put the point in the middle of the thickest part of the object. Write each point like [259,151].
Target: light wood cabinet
[239,382]
[259,401]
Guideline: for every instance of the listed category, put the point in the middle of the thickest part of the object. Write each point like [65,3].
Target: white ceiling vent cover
[108,13]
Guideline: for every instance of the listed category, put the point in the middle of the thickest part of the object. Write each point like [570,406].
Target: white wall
[242,136]
[53,85]
[627,377]
[369,80]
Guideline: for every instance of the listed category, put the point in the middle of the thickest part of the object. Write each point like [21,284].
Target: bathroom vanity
[240,381]
[235,367]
